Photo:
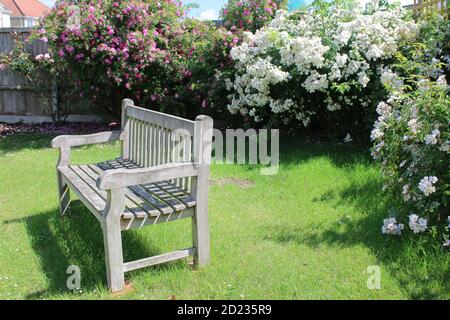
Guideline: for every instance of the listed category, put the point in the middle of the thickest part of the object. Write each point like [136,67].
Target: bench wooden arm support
[122,178]
[65,143]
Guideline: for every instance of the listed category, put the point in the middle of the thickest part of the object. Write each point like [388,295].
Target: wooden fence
[18,101]
[427,7]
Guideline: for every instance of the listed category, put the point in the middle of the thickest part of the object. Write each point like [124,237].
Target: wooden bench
[161,176]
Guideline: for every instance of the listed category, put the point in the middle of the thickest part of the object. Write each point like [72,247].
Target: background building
[5,17]
[22,13]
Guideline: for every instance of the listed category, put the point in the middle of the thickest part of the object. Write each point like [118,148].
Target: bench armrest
[81,140]
[122,178]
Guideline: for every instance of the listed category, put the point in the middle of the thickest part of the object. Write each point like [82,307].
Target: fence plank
[17,97]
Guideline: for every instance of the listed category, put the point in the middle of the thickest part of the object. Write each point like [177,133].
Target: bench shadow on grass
[77,239]
[400,256]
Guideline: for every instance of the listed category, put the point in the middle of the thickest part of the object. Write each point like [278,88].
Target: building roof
[4,9]
[26,8]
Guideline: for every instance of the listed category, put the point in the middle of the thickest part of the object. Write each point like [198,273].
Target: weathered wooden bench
[161,176]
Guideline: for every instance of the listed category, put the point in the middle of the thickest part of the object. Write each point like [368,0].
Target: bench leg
[64,196]
[112,238]
[200,232]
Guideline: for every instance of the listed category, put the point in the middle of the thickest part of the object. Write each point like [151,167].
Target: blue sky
[209,9]
[48,2]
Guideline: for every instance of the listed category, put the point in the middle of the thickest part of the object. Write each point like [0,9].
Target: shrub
[317,66]
[250,15]
[412,143]
[411,134]
[141,50]
[204,87]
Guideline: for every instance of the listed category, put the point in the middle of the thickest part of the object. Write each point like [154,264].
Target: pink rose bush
[250,15]
[142,50]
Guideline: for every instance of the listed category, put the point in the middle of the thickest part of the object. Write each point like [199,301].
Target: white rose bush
[314,66]
[340,69]
[412,143]
[411,135]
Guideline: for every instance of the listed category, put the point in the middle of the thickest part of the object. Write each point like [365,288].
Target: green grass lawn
[309,232]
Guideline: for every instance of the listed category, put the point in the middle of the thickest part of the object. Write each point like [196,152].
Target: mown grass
[309,232]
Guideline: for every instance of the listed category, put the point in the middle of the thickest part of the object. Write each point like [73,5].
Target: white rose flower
[433,137]
[390,226]
[426,185]
[417,224]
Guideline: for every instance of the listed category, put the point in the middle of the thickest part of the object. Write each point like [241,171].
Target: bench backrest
[153,138]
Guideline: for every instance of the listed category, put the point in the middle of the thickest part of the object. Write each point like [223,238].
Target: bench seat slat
[177,192]
[144,194]
[164,196]
[143,208]
[165,201]
[141,201]
[102,194]
[96,201]
[140,191]
[130,205]
[169,192]
[154,189]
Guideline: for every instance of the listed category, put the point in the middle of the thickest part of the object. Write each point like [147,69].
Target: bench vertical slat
[186,156]
[136,140]
[131,125]
[167,146]
[189,159]
[178,151]
[125,139]
[132,144]
[145,144]
[139,139]
[182,155]
[158,145]
[151,144]
[163,145]
[142,144]
[154,146]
